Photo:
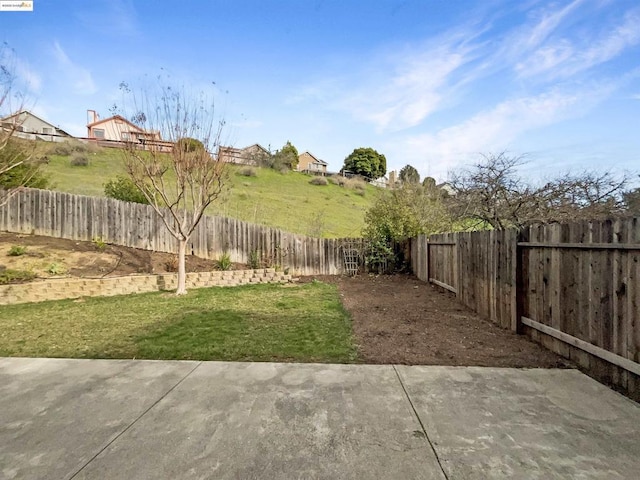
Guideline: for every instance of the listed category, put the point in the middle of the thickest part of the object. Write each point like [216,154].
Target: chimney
[92,116]
[392,179]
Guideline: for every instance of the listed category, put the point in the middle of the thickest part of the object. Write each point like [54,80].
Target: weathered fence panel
[574,288]
[581,295]
[443,261]
[77,217]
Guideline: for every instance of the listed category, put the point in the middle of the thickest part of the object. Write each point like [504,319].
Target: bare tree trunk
[182,271]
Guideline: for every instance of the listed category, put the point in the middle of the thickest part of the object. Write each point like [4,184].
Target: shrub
[171,265]
[254,259]
[248,172]
[99,243]
[224,262]
[78,159]
[56,269]
[63,149]
[15,276]
[17,250]
[337,180]
[25,168]
[123,188]
[318,181]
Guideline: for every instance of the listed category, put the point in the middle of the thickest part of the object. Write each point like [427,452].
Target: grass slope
[305,323]
[286,201]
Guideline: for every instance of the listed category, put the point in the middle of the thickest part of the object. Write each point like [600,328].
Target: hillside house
[117,131]
[250,155]
[308,163]
[25,124]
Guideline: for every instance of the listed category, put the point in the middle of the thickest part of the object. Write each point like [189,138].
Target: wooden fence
[574,288]
[78,217]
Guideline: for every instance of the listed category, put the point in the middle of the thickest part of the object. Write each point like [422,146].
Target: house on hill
[308,163]
[25,124]
[116,131]
[250,155]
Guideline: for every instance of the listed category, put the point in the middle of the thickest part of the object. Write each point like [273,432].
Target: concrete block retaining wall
[61,288]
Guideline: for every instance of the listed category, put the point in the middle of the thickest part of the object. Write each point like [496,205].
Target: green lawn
[302,323]
[286,201]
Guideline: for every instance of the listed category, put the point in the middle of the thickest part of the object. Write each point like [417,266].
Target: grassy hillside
[287,201]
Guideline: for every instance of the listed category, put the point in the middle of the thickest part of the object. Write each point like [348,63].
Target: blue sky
[429,83]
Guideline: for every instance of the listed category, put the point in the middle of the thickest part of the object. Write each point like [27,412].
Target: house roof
[117,117]
[27,112]
[316,159]
[255,145]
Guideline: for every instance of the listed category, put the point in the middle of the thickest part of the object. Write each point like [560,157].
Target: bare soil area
[42,255]
[400,319]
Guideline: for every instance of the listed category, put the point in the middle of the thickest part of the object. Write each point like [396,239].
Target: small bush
[248,172]
[99,243]
[224,262]
[123,188]
[337,179]
[63,149]
[79,160]
[318,181]
[17,250]
[172,264]
[254,259]
[56,269]
[15,276]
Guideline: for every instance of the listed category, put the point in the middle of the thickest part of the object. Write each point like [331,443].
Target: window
[98,133]
[125,136]
[47,130]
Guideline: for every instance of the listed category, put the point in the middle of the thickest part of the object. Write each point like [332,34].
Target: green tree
[286,158]
[409,174]
[399,214]
[189,145]
[19,167]
[123,188]
[366,162]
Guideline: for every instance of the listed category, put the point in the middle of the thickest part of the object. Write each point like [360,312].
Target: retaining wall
[63,288]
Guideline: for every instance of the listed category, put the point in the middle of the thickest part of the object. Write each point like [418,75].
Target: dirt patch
[53,257]
[399,319]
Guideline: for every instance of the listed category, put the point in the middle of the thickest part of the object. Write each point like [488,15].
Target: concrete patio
[117,419]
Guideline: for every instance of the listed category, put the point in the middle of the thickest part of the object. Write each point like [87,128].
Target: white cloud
[550,21]
[79,77]
[566,57]
[495,129]
[399,89]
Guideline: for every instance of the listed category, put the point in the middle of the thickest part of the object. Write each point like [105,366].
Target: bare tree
[181,183]
[492,193]
[18,165]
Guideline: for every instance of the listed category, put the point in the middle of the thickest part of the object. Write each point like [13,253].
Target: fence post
[518,272]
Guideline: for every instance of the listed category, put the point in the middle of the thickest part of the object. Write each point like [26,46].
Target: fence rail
[78,217]
[574,288]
